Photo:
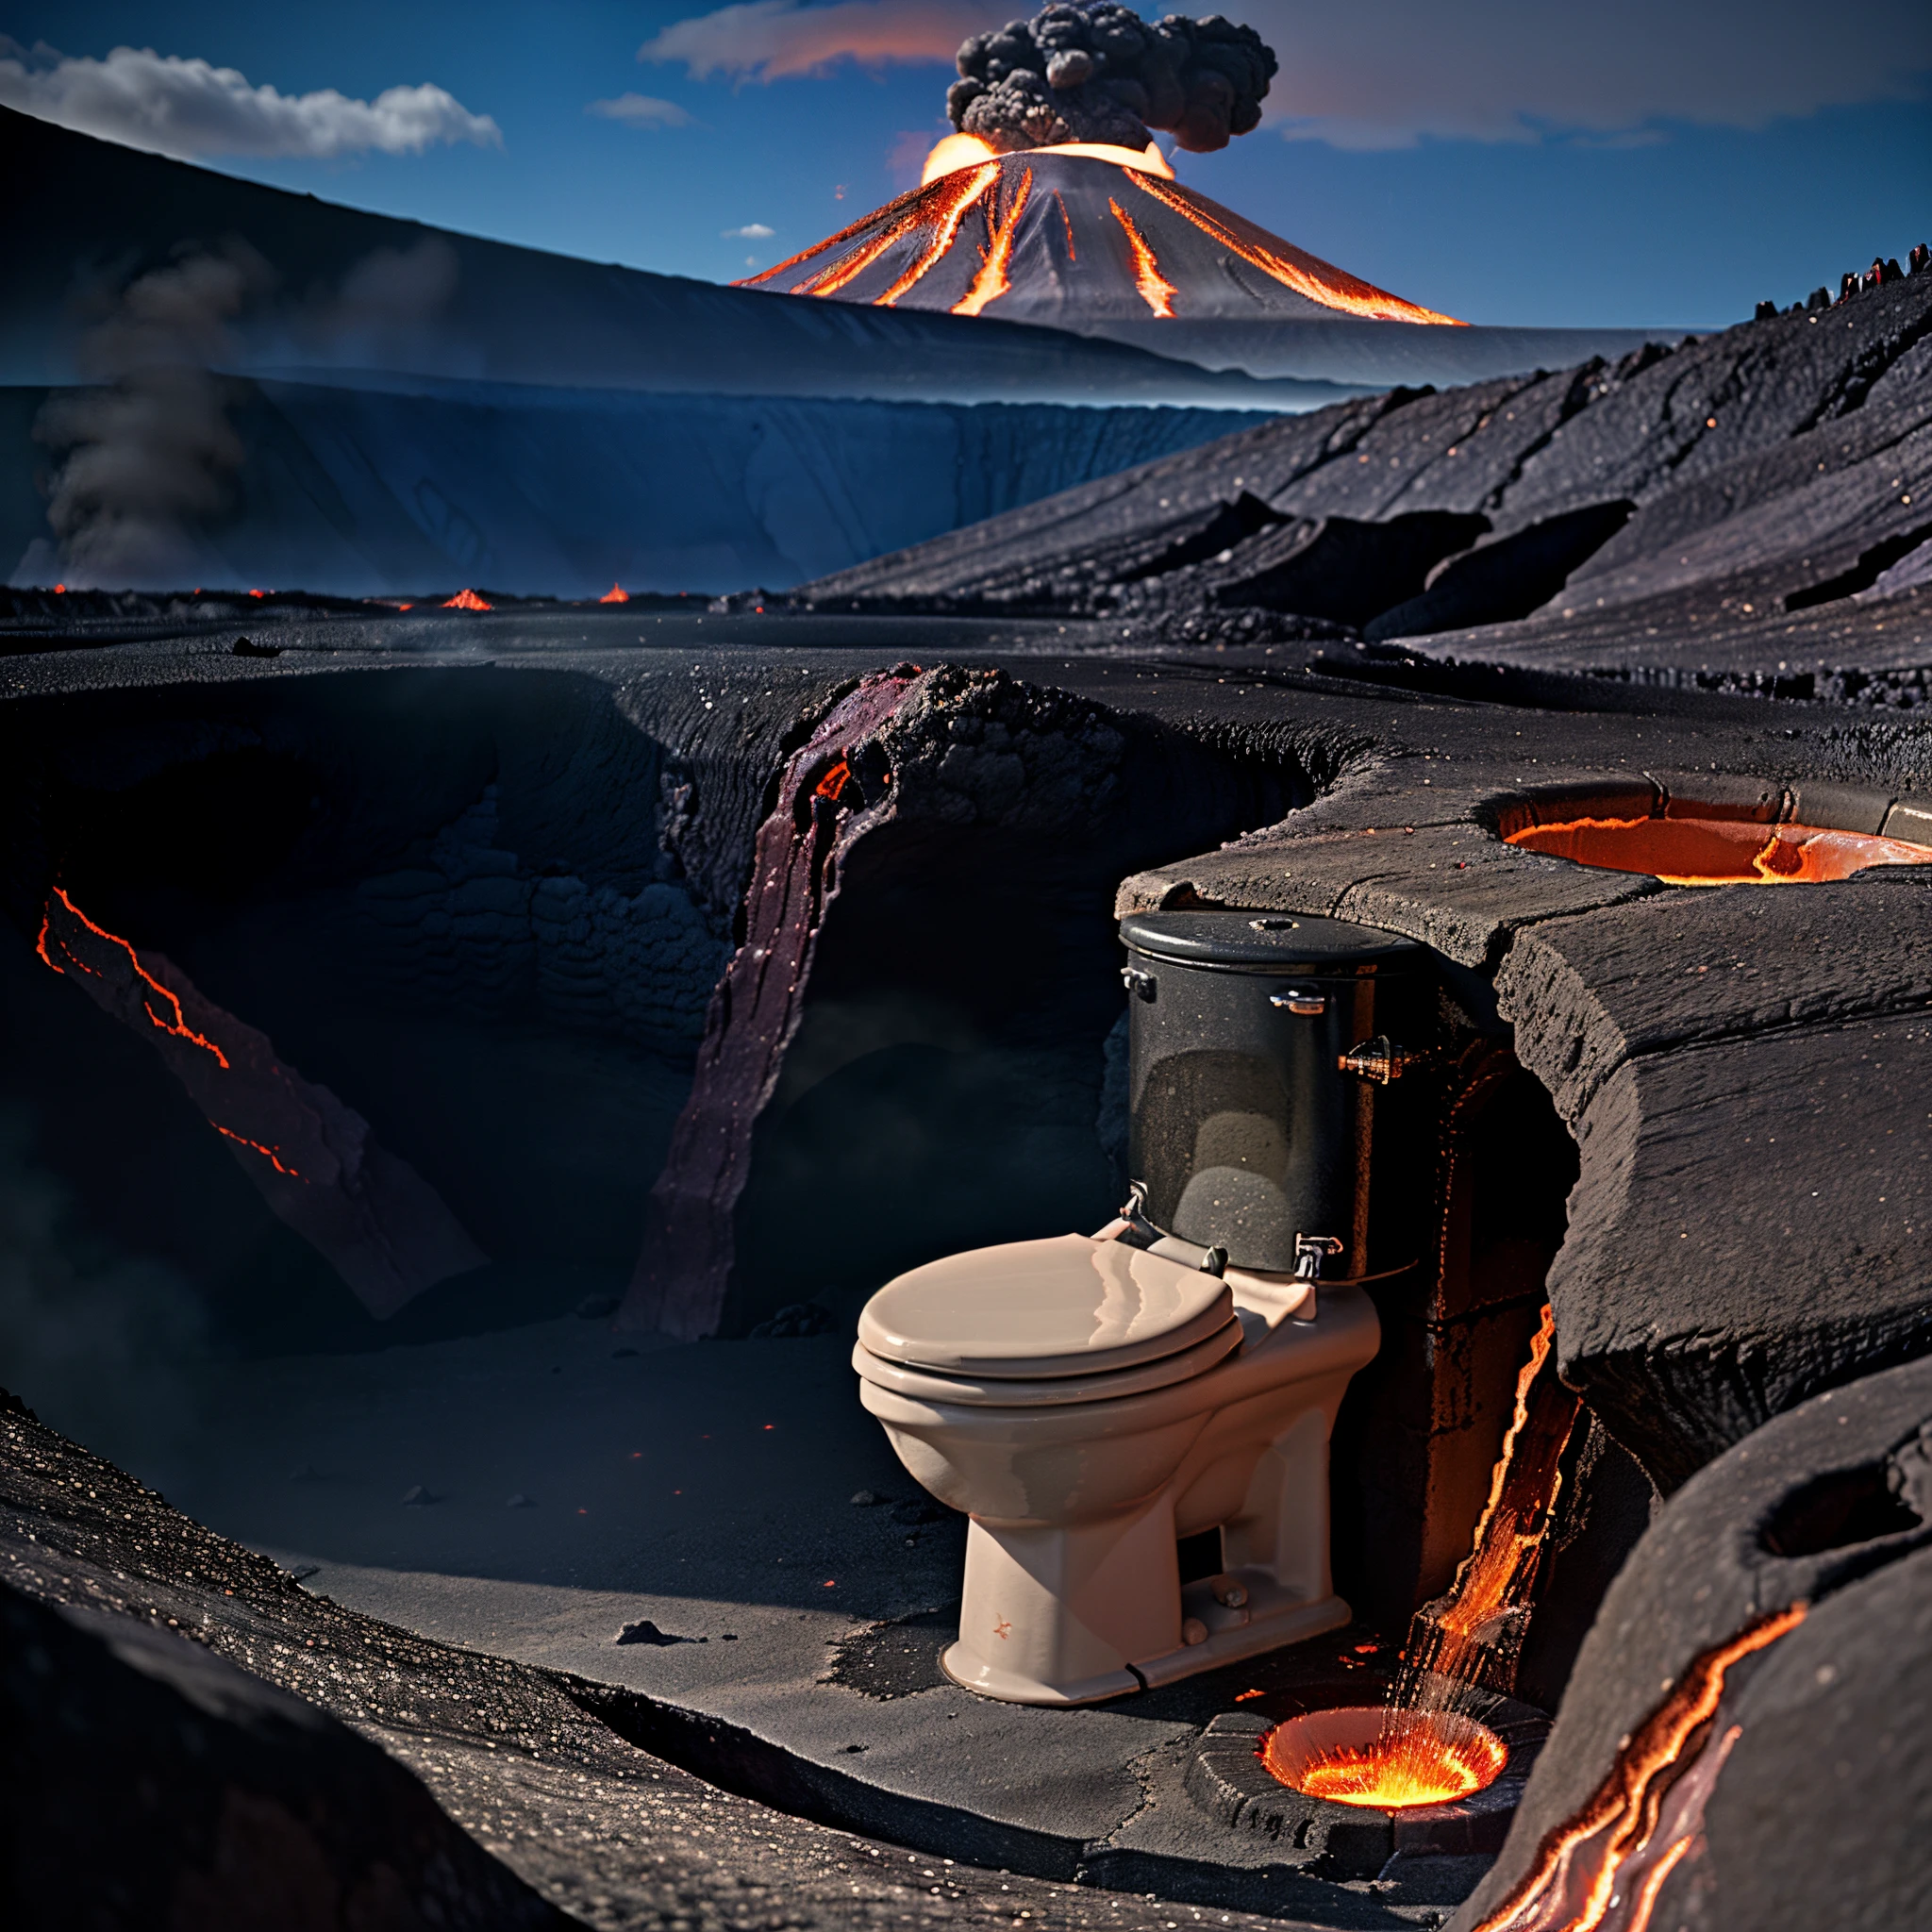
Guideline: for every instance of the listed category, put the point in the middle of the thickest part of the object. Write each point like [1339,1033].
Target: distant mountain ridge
[342,289]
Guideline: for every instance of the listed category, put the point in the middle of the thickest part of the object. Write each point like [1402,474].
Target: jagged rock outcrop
[1753,503]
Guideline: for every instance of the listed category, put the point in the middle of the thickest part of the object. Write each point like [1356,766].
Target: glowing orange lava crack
[1624,1811]
[992,282]
[1345,293]
[178,1026]
[1156,289]
[956,193]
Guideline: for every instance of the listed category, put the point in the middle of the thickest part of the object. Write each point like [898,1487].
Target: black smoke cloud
[148,455]
[1095,71]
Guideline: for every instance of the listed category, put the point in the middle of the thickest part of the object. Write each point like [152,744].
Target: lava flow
[313,1160]
[1421,1748]
[1603,1870]
[1474,1632]
[1069,233]
[828,795]
[992,279]
[1717,851]
[1156,289]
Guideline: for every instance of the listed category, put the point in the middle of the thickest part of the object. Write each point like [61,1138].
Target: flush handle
[1139,984]
[1298,1000]
[1380,1059]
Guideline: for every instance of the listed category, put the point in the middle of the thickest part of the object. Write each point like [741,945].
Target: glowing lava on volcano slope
[1073,233]
[379,1223]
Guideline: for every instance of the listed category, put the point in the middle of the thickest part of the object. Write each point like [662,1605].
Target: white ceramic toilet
[1086,1402]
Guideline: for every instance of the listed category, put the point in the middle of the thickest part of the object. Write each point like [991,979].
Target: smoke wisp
[148,455]
[1092,70]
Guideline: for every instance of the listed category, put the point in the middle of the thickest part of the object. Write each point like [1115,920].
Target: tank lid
[1269,942]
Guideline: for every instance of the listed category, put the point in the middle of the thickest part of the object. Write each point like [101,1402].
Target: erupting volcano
[1053,204]
[1072,234]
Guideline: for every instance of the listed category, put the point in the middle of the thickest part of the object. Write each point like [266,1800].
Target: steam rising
[1092,70]
[150,454]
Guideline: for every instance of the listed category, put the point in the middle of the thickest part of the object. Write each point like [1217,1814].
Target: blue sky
[1506,161]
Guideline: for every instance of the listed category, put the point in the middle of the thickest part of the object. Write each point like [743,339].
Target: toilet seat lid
[1065,1306]
[1053,1391]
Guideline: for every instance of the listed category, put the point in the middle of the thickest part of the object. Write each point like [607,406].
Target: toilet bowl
[1088,1401]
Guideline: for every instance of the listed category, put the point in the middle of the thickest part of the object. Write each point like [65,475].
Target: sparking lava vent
[1365,1755]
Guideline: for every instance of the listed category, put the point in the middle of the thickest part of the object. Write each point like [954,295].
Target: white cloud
[1386,74]
[772,39]
[640,111]
[752,231]
[188,108]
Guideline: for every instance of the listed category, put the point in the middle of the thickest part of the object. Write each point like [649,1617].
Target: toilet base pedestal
[973,1674]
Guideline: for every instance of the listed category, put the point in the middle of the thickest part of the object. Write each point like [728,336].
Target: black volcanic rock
[152,1783]
[1820,1812]
[1726,509]
[455,1746]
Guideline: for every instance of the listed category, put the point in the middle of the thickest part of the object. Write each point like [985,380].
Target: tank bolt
[1194,1631]
[1137,983]
[1231,1596]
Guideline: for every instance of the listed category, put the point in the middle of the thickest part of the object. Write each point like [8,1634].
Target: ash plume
[148,457]
[149,452]
[1092,70]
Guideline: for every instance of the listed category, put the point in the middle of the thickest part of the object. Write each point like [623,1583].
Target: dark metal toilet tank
[1246,1129]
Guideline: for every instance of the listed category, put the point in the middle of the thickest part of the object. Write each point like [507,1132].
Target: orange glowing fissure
[174,1025]
[956,193]
[267,1154]
[1344,293]
[1156,289]
[1508,1534]
[992,282]
[178,1025]
[1622,1812]
[466,600]
[1691,851]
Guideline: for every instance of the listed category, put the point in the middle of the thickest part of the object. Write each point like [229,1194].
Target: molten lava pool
[1717,851]
[1388,1760]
